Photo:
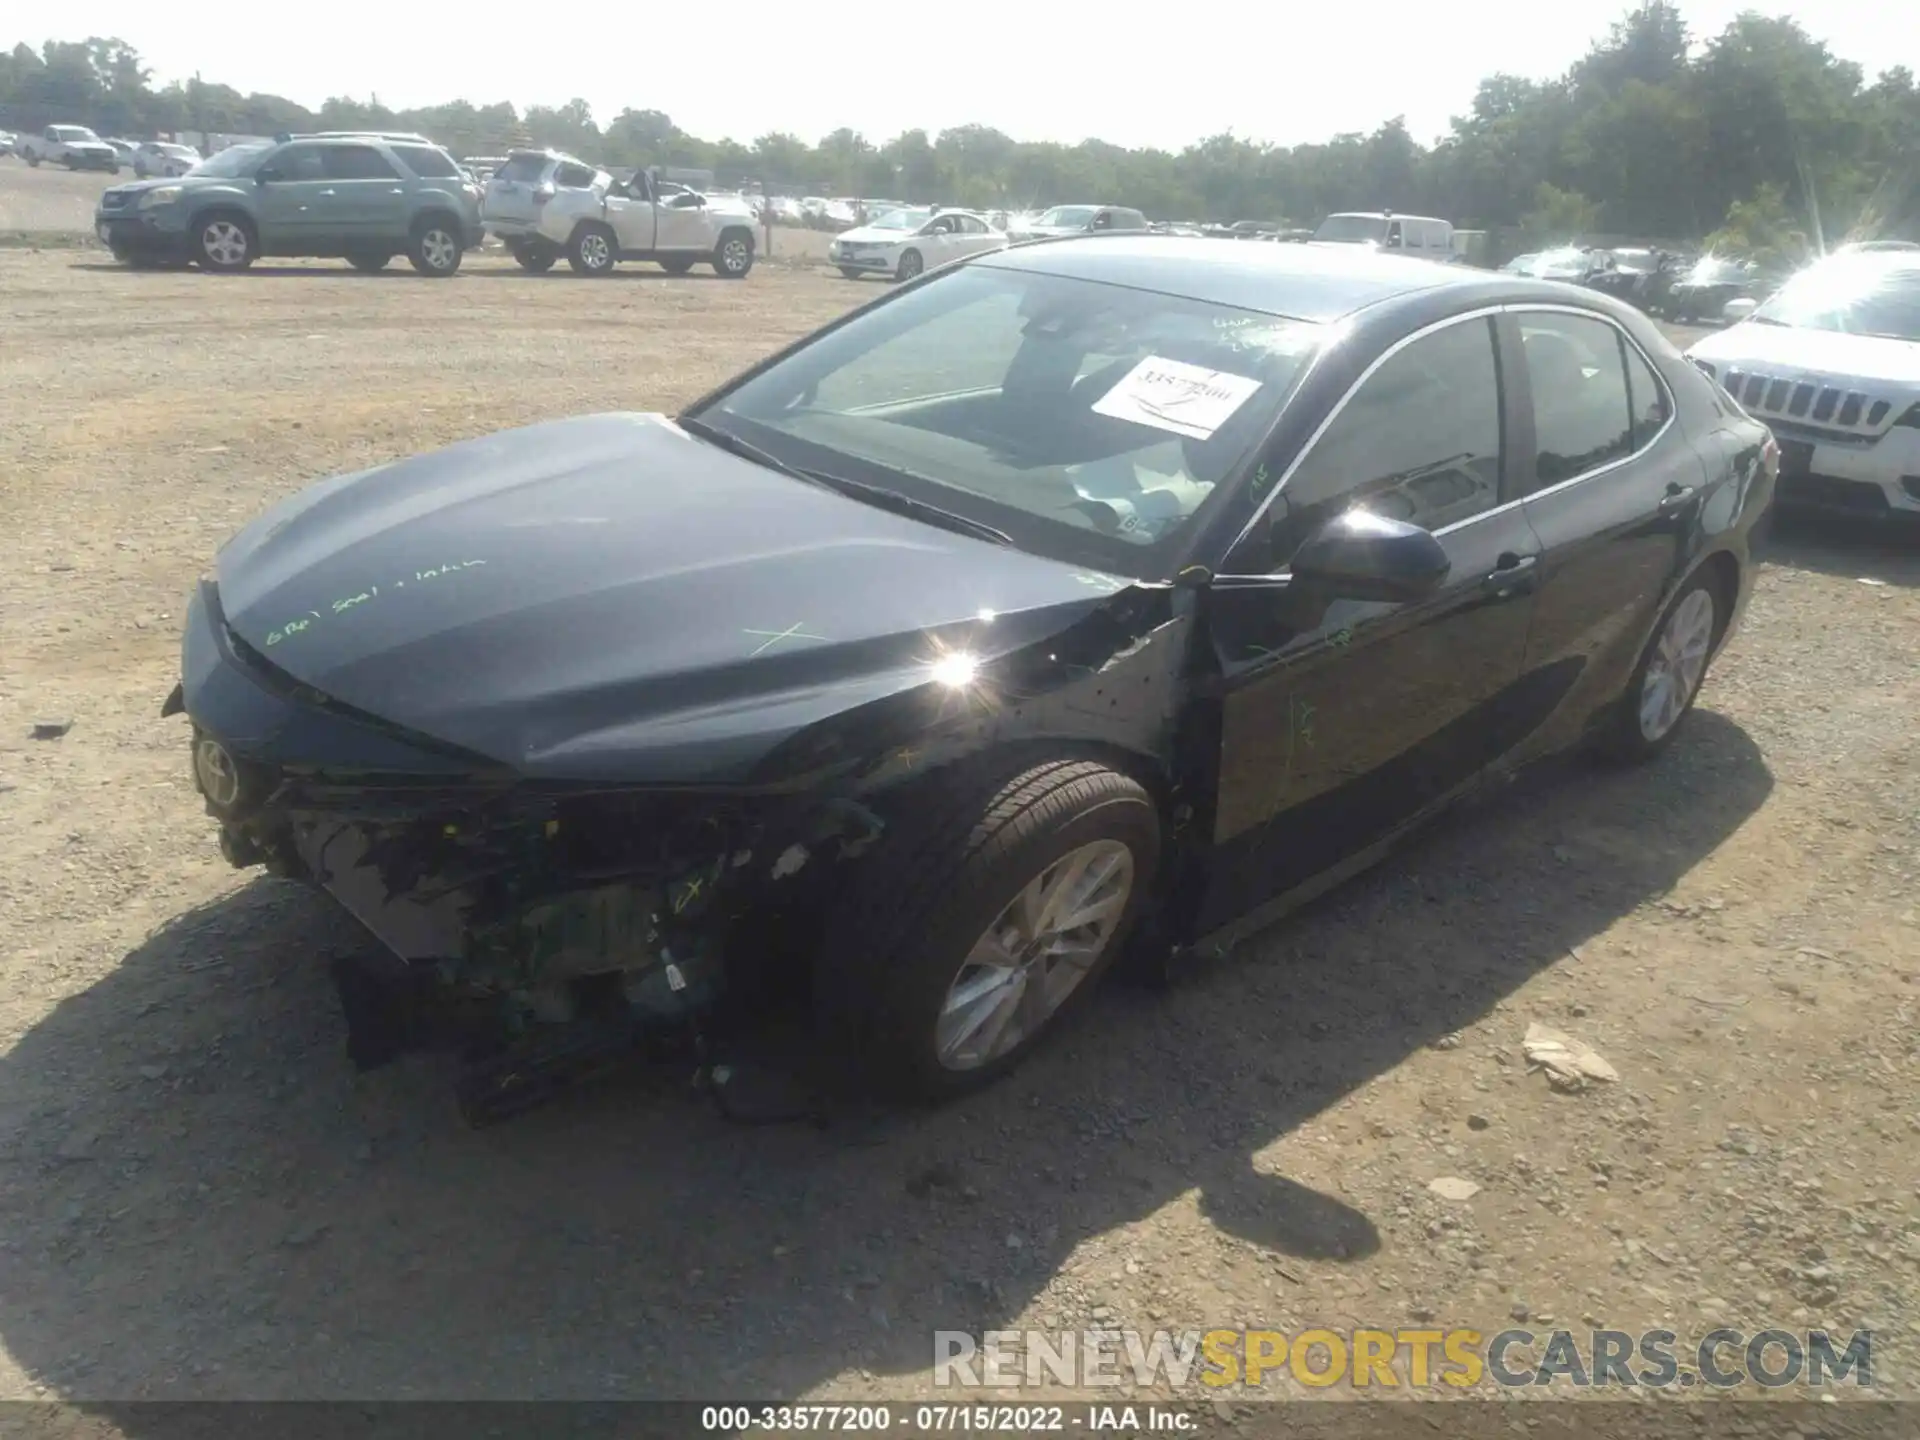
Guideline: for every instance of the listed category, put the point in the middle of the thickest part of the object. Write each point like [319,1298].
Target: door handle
[1676,498]
[326,192]
[1512,574]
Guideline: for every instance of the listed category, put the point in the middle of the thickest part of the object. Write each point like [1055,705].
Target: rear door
[1616,491]
[365,198]
[972,235]
[1343,722]
[633,215]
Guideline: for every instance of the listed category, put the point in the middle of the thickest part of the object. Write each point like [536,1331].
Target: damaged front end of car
[543,933]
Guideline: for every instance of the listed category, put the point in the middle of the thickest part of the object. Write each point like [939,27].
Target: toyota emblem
[219,777]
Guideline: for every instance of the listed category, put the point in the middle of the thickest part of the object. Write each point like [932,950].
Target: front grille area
[1842,414]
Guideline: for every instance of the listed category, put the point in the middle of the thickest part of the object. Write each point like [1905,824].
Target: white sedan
[903,243]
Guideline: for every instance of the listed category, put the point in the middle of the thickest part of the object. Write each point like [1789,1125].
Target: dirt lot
[198,1197]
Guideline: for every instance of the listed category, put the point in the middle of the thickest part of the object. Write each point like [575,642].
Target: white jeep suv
[1832,365]
[543,205]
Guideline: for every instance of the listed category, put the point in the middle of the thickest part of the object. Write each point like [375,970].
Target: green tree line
[1759,134]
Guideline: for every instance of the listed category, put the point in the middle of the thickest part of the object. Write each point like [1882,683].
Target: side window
[1648,396]
[573,177]
[427,162]
[1420,441]
[298,162]
[1394,242]
[1581,418]
[357,162]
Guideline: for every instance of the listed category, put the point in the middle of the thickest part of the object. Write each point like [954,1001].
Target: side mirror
[1358,555]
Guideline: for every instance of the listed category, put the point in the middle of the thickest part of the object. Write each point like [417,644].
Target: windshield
[1067,215]
[232,161]
[71,133]
[1350,228]
[1715,271]
[1088,421]
[1852,298]
[178,152]
[903,220]
[1637,262]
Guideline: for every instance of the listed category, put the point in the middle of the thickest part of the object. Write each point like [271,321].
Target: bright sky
[1130,73]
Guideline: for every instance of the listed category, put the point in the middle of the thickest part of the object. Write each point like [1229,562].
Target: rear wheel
[535,259]
[369,261]
[993,905]
[1667,680]
[593,251]
[911,264]
[434,248]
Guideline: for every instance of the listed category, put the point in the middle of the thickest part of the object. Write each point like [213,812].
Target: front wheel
[33,162]
[1667,680]
[910,266]
[991,908]
[849,272]
[224,243]
[434,249]
[733,256]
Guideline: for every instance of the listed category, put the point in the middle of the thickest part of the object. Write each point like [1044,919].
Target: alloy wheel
[1034,955]
[1677,664]
[224,242]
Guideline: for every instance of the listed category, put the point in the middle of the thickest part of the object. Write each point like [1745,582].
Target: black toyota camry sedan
[1101,594]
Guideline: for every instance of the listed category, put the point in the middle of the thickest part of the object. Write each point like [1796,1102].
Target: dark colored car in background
[1098,592]
[1703,291]
[1641,277]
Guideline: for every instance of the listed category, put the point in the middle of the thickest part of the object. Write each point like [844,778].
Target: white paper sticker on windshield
[1173,395]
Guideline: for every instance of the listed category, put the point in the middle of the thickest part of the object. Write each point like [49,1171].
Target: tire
[849,274]
[33,161]
[733,255]
[912,264]
[369,262]
[965,847]
[680,265]
[434,247]
[1690,627]
[534,259]
[140,171]
[224,242]
[593,250]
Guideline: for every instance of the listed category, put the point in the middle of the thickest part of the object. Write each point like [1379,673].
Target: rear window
[427,162]
[523,169]
[574,177]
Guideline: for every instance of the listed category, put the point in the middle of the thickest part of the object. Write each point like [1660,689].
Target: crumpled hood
[611,598]
[1791,353]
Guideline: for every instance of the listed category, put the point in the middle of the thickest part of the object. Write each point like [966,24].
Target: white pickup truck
[543,205]
[74,146]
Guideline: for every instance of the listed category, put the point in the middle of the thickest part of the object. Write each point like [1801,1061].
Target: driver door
[289,208]
[1344,721]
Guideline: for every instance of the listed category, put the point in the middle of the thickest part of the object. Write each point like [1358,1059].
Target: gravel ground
[198,1197]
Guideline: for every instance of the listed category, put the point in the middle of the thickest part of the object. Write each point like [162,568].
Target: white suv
[1832,365]
[543,205]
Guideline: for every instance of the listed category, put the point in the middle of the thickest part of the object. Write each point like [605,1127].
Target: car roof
[1300,282]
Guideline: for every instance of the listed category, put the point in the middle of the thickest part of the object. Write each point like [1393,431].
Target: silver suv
[545,206]
[362,196]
